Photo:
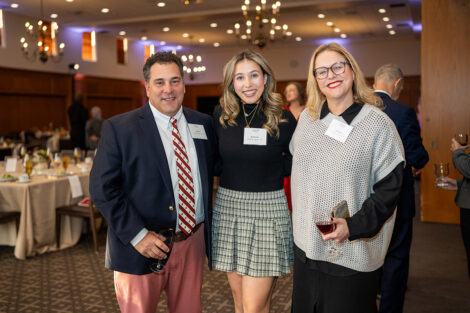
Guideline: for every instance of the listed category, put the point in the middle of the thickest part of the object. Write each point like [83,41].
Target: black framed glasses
[337,68]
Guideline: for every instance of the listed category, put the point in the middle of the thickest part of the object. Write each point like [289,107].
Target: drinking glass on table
[76,155]
[57,160]
[65,162]
[441,170]
[462,139]
[325,225]
[28,165]
[168,234]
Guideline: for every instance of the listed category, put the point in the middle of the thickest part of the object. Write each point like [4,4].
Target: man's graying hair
[388,72]
[162,58]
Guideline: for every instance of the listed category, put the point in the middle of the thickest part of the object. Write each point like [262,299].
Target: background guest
[93,129]
[78,116]
[461,162]
[388,84]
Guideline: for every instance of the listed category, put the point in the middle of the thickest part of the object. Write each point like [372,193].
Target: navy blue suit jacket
[130,183]
[416,155]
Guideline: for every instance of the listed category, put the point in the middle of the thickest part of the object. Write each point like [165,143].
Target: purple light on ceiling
[417,27]
[325,41]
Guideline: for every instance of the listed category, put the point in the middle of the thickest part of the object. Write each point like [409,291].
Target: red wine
[325,227]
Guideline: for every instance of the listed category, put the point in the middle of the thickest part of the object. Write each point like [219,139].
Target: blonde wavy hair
[271,102]
[362,93]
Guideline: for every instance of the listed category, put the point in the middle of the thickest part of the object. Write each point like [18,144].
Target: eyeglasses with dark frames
[337,68]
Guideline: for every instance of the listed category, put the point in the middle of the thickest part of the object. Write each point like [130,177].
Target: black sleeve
[378,208]
[288,128]
[216,124]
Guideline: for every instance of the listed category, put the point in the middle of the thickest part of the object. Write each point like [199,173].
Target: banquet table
[37,201]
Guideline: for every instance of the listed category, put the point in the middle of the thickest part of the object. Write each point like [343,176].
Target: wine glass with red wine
[326,226]
[158,265]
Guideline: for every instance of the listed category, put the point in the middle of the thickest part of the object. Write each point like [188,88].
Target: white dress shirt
[165,129]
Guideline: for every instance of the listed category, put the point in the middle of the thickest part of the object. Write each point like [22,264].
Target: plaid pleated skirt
[252,233]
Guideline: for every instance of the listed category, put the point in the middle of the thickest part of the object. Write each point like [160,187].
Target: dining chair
[6,217]
[90,212]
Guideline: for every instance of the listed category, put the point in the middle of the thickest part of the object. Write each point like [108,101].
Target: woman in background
[252,234]
[295,98]
[344,148]
[93,129]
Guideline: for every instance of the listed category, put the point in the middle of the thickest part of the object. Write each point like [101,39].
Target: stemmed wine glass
[325,225]
[158,265]
[462,139]
[441,170]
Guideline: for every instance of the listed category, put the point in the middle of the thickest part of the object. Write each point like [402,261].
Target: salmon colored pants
[181,279]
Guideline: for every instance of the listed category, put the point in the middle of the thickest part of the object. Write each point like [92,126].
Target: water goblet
[441,170]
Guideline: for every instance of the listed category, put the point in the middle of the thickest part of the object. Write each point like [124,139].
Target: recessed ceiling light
[343,36]
[216,44]
[265,20]
[54,15]
[213,25]
[14,5]
[161,4]
[166,29]
[122,33]
[104,10]
[162,43]
[243,36]
[289,33]
[143,38]
[336,30]
[389,26]
[229,31]
[278,27]
[179,47]
[385,19]
[321,15]
[329,24]
[392,32]
[185,35]
[69,0]
[201,40]
[382,11]
[298,38]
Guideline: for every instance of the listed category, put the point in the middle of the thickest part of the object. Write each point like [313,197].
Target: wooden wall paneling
[113,96]
[195,91]
[30,99]
[445,93]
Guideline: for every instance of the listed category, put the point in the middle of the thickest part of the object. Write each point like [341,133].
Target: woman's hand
[341,232]
[451,183]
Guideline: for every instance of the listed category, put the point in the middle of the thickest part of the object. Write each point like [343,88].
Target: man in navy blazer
[135,184]
[388,84]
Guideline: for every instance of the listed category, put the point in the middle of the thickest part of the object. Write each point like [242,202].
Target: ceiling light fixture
[216,44]
[14,5]
[385,19]
[122,33]
[166,29]
[382,11]
[321,15]
[253,26]
[43,40]
[213,25]
[192,63]
[161,4]
[104,10]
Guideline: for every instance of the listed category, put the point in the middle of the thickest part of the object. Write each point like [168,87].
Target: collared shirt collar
[164,120]
[348,115]
[383,91]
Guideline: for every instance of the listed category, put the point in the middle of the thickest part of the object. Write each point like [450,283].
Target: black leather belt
[180,236]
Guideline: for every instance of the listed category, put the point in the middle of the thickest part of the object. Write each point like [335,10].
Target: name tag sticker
[339,131]
[255,136]
[197,131]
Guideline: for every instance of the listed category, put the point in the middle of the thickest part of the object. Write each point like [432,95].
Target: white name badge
[339,131]
[10,166]
[255,136]
[197,131]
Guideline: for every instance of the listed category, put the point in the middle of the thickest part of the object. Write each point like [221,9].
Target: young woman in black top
[252,234]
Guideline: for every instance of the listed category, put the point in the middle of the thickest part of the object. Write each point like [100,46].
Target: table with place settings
[37,199]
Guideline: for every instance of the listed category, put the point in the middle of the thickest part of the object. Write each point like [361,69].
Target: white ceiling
[358,19]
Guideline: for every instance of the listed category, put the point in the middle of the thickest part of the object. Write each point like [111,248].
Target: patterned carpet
[75,280]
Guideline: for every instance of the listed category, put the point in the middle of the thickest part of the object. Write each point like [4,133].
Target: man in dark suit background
[388,84]
[136,184]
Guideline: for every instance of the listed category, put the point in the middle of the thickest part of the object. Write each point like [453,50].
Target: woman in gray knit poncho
[344,148]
